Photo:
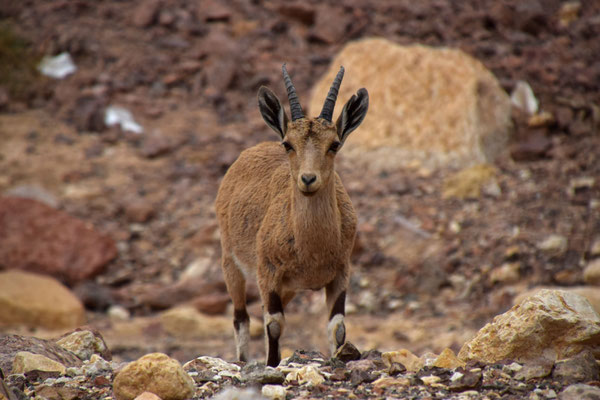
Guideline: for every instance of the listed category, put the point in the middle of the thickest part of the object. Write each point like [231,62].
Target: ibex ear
[352,114]
[272,111]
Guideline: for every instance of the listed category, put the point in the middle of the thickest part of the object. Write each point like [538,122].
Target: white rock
[522,97]
[57,67]
[274,392]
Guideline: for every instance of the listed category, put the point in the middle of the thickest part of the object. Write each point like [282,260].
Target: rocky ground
[430,269]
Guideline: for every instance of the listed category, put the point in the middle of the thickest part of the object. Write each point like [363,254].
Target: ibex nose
[307,179]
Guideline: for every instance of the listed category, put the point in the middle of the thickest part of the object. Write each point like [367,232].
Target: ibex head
[311,144]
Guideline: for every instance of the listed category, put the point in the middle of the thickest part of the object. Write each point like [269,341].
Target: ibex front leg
[274,324]
[335,293]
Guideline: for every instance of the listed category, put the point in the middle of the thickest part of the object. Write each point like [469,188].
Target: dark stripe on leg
[240,317]
[275,306]
[338,306]
[273,356]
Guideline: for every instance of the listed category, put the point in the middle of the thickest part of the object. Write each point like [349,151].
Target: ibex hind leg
[236,286]
[336,329]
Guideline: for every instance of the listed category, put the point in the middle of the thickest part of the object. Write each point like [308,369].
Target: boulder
[38,301]
[10,345]
[432,106]
[156,373]
[553,324]
[39,238]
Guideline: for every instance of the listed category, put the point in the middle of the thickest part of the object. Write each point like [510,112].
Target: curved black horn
[327,111]
[295,107]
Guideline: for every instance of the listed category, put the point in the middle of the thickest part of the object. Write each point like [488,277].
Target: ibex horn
[295,107]
[327,111]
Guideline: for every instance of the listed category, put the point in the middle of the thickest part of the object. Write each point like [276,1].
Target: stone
[580,391]
[387,382]
[26,362]
[404,357]
[469,182]
[147,396]
[232,393]
[38,301]
[506,273]
[187,323]
[212,304]
[591,273]
[555,245]
[539,368]
[447,359]
[595,248]
[553,324]
[274,392]
[38,238]
[430,107]
[582,368]
[10,345]
[465,379]
[308,375]
[156,373]
[256,372]
[34,192]
[592,294]
[84,344]
[96,366]
[213,368]
[145,13]
[347,352]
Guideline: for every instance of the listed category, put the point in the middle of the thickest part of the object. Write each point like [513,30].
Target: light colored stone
[595,248]
[387,382]
[26,362]
[591,273]
[232,393]
[308,375]
[96,366]
[156,373]
[83,344]
[580,391]
[187,323]
[506,273]
[404,357]
[431,380]
[38,301]
[554,245]
[447,359]
[147,396]
[274,392]
[118,312]
[592,294]
[469,183]
[433,106]
[552,324]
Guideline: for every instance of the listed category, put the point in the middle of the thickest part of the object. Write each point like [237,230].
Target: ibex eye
[288,147]
[334,147]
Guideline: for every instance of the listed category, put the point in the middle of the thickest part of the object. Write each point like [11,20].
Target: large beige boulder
[427,106]
[552,324]
[156,373]
[38,301]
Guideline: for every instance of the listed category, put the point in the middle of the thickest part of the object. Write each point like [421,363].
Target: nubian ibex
[285,217]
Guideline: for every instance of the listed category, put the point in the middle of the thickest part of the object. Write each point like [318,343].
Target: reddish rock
[145,13]
[299,11]
[38,238]
[212,304]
